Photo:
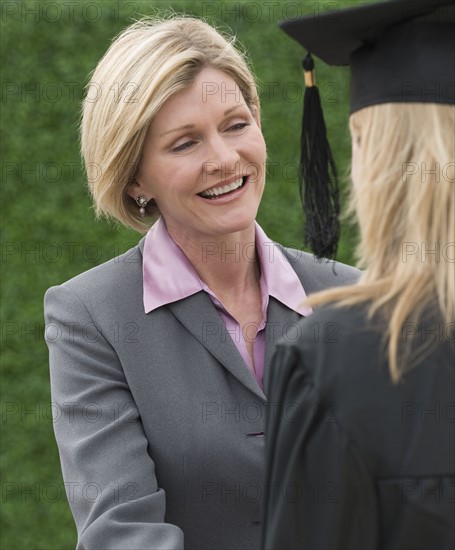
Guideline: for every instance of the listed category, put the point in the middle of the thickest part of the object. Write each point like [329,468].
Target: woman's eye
[239,126]
[182,147]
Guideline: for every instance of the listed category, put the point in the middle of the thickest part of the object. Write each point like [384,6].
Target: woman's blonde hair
[403,199]
[146,64]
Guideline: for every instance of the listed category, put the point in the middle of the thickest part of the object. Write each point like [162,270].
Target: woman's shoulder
[338,335]
[344,349]
[316,274]
[340,360]
[112,280]
[349,321]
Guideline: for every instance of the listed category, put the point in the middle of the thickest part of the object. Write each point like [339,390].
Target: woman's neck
[227,264]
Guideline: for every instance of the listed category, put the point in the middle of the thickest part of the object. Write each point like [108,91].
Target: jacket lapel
[212,334]
[199,316]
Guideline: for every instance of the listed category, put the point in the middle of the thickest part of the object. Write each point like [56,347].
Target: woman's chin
[235,224]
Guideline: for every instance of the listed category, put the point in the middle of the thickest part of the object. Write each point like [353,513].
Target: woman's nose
[222,156]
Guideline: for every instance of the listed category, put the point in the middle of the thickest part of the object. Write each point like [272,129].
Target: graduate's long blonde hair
[403,199]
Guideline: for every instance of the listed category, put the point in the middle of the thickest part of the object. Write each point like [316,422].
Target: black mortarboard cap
[399,52]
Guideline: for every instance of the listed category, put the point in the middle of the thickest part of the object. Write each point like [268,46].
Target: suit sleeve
[108,474]
[319,492]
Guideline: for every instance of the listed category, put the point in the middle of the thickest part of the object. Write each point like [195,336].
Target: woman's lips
[227,191]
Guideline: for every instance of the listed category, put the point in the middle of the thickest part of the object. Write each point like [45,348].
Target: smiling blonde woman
[162,381]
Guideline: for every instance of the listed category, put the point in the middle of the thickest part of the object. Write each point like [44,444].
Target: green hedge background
[49,233]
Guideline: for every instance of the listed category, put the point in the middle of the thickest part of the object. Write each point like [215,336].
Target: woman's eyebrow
[229,111]
[184,127]
[189,126]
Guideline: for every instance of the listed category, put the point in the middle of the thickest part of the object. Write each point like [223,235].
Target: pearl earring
[142,203]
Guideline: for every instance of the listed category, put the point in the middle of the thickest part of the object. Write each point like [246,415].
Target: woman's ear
[132,189]
[135,188]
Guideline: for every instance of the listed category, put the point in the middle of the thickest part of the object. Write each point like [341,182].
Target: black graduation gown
[353,460]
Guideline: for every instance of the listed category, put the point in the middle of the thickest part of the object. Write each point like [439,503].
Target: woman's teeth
[217,191]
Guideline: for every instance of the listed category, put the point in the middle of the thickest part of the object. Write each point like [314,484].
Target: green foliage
[49,230]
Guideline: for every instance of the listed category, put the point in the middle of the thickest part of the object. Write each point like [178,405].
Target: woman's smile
[228,189]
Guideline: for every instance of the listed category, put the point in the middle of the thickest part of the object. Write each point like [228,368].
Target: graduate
[360,432]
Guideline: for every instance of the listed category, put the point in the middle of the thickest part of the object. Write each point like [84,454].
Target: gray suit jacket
[159,422]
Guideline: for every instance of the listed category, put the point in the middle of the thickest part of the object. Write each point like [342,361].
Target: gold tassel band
[310,81]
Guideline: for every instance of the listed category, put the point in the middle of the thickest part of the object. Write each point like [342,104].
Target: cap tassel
[318,179]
